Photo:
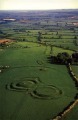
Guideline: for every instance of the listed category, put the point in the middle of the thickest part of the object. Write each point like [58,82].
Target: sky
[38,4]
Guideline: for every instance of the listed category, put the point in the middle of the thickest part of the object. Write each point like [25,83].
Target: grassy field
[75,69]
[24,85]
[31,87]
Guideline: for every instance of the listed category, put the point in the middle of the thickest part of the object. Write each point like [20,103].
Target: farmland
[32,88]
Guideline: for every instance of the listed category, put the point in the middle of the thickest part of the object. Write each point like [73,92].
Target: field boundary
[73,103]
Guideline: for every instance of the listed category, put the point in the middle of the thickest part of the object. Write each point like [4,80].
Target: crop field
[32,88]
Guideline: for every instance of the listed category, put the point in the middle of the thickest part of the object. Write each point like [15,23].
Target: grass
[75,69]
[32,62]
[28,61]
[57,50]
[72,113]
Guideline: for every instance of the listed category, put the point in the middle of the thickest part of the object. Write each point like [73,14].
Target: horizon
[42,9]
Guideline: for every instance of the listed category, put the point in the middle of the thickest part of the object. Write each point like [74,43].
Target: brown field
[5,41]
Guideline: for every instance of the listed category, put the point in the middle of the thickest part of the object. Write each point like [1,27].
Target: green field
[32,85]
[31,88]
[75,69]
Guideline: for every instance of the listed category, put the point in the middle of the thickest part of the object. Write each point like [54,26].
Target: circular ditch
[26,85]
[35,88]
[46,92]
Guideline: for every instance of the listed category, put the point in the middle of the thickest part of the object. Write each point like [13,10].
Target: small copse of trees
[64,58]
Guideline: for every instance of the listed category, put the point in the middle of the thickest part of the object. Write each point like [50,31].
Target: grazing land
[31,87]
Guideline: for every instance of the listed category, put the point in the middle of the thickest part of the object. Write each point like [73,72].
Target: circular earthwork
[46,92]
[36,89]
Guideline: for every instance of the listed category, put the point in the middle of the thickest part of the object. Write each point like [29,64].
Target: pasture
[31,87]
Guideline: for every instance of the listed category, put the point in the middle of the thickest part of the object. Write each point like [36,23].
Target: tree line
[64,58]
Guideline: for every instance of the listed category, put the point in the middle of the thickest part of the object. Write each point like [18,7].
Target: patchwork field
[31,87]
[34,85]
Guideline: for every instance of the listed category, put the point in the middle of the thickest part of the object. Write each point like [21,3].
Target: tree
[57,24]
[75,41]
[51,52]
[60,36]
[39,36]
[65,23]
[63,58]
[75,37]
[75,57]
[23,39]
[57,33]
